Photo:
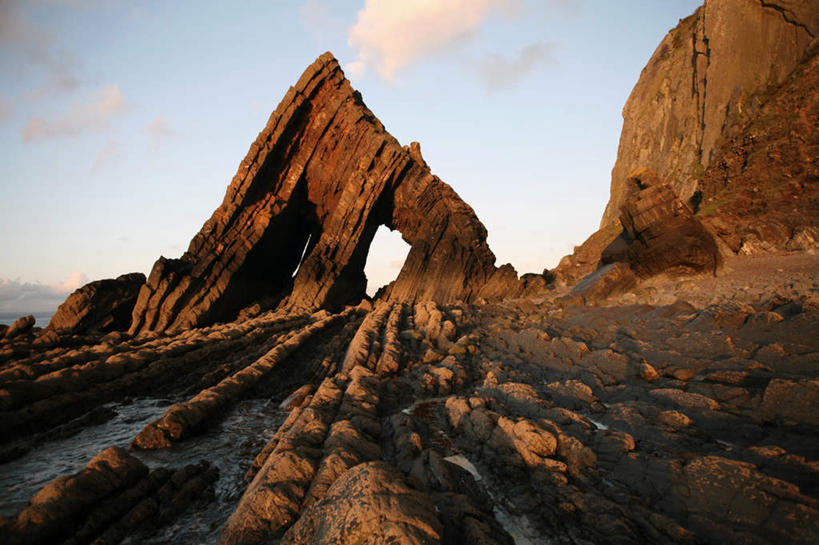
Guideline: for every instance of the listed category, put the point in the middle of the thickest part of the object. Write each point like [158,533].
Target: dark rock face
[318,181]
[103,305]
[21,326]
[660,233]
[695,80]
[761,191]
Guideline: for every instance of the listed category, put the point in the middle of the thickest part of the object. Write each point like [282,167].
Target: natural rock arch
[324,174]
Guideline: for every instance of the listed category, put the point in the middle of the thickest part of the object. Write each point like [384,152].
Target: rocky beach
[660,385]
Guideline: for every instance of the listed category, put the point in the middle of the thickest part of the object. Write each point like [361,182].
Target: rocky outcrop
[697,78]
[21,326]
[761,191]
[103,305]
[660,233]
[115,495]
[371,504]
[300,214]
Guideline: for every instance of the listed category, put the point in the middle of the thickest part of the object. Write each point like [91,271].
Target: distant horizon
[122,126]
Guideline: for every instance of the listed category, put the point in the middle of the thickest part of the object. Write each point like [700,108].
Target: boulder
[660,233]
[21,326]
[103,305]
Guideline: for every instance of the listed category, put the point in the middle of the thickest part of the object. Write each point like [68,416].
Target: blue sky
[121,123]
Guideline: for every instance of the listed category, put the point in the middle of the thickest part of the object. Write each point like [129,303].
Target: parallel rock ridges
[625,422]
[318,181]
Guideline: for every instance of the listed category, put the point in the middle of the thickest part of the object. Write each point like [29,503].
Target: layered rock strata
[300,214]
[116,495]
[683,413]
[660,233]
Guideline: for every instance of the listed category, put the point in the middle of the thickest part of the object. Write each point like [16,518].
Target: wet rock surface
[681,410]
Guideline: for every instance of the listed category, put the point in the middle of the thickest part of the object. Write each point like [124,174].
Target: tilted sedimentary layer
[315,186]
[681,413]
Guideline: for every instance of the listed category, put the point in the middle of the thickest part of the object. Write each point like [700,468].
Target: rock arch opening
[387,254]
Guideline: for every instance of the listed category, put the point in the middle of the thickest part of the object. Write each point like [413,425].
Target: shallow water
[230,444]
[21,478]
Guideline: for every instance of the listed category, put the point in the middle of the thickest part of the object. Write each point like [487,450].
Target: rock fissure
[787,15]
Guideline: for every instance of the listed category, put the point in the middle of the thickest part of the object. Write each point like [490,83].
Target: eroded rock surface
[678,411]
[660,232]
[318,181]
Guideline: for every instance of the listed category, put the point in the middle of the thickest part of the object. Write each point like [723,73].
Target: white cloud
[390,35]
[497,72]
[74,281]
[18,298]
[93,114]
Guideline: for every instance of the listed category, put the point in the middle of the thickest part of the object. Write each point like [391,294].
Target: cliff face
[761,191]
[298,219]
[696,77]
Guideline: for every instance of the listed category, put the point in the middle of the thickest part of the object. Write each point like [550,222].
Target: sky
[123,122]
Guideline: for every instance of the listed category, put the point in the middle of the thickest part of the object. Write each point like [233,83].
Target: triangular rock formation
[298,219]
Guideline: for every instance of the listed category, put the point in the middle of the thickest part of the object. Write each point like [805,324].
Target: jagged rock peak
[298,218]
[695,80]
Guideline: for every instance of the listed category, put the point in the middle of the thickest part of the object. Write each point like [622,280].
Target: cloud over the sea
[18,298]
[390,36]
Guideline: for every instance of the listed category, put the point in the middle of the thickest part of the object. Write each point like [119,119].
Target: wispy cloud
[498,72]
[390,36]
[17,297]
[92,114]
[159,127]
[109,151]
[37,48]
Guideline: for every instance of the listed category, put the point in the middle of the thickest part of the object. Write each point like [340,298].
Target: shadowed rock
[315,186]
[21,326]
[103,305]
[660,233]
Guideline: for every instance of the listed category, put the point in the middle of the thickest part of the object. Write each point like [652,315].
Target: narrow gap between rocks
[303,253]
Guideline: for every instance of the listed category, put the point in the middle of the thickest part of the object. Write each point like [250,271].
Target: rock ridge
[319,180]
